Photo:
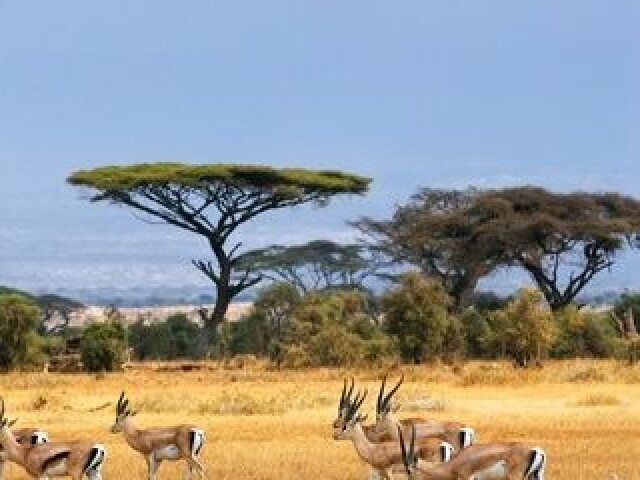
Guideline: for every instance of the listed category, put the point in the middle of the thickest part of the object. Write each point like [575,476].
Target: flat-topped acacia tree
[213,200]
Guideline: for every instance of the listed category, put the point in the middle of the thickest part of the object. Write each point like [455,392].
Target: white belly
[497,471]
[170,452]
[57,470]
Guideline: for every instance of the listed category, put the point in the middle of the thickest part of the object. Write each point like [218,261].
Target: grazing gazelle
[55,459]
[164,443]
[505,461]
[24,436]
[455,433]
[382,456]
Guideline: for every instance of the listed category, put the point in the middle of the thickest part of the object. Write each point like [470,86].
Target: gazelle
[55,459]
[24,436]
[158,444]
[508,461]
[382,456]
[455,433]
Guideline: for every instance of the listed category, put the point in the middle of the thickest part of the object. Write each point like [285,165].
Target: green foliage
[331,329]
[103,346]
[176,338]
[416,316]
[478,334]
[286,181]
[525,328]
[19,318]
[316,265]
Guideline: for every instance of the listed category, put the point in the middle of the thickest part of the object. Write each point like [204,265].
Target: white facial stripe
[39,437]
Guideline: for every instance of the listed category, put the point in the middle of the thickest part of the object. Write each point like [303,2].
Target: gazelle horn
[381,395]
[388,398]
[119,405]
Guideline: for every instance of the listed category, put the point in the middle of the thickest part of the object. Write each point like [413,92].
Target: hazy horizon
[440,94]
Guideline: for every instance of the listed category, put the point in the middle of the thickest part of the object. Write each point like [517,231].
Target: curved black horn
[119,404]
[1,408]
[381,394]
[357,405]
[344,392]
[393,391]
[350,391]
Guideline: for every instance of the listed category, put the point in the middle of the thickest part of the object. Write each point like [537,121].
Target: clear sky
[413,93]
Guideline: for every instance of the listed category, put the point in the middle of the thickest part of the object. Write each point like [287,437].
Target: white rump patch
[170,452]
[198,441]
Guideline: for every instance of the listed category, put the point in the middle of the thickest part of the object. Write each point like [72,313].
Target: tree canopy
[316,265]
[561,239]
[213,200]
[437,232]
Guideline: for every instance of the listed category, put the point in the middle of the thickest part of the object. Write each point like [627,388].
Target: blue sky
[412,93]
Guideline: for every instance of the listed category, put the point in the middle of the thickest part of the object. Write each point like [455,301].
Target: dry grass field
[276,425]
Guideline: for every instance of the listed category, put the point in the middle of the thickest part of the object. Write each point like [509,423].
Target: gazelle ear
[12,423]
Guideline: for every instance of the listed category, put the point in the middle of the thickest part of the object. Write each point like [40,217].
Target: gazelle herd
[436,450]
[422,449]
[42,459]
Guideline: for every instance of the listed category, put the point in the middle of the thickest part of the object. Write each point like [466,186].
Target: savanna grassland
[276,425]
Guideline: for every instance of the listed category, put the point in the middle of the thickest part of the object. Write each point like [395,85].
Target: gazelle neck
[362,444]
[12,449]
[130,433]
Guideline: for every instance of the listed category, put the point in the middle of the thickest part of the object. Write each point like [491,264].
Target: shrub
[525,327]
[176,338]
[103,347]
[19,342]
[416,317]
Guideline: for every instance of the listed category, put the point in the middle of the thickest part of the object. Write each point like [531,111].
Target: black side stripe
[51,461]
[192,440]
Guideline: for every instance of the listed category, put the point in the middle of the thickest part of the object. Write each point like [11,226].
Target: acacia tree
[436,232]
[316,265]
[213,201]
[562,240]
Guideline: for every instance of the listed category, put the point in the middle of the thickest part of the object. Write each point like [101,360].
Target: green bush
[19,342]
[176,338]
[416,316]
[103,347]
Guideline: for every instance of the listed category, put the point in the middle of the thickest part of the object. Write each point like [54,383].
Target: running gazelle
[52,459]
[506,461]
[455,433]
[24,436]
[162,443]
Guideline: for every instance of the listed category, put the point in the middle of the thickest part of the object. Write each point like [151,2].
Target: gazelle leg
[153,466]
[194,464]
[188,472]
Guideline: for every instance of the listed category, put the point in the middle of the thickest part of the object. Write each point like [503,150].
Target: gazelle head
[384,407]
[343,406]
[352,418]
[5,423]
[409,457]
[122,414]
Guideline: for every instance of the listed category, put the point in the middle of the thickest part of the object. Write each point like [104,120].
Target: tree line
[436,247]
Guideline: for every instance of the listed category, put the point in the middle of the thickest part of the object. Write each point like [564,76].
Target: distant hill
[46,301]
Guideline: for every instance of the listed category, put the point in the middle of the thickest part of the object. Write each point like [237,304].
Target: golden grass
[276,425]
